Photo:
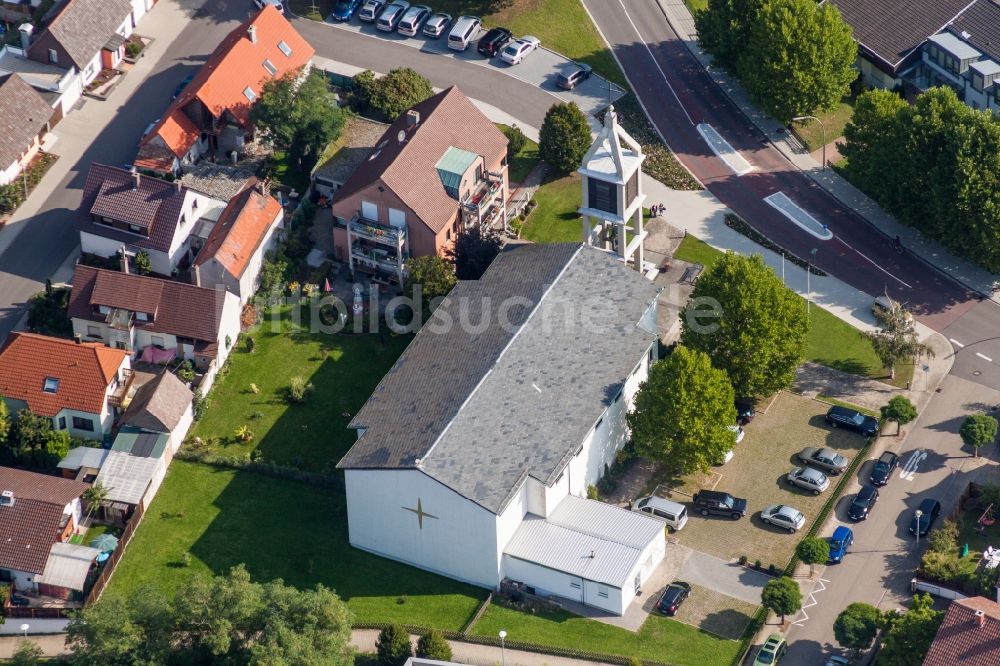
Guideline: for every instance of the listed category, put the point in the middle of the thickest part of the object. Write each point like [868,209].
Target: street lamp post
[918,515]
[503,655]
[24,628]
[822,127]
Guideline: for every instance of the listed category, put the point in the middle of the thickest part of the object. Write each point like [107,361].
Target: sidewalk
[680,19]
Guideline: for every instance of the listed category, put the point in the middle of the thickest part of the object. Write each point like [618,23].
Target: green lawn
[279,529]
[660,639]
[697,251]
[289,174]
[554,219]
[94,531]
[695,5]
[343,369]
[521,163]
[811,133]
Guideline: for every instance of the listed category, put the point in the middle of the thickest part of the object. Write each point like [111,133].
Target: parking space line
[984,357]
[956,342]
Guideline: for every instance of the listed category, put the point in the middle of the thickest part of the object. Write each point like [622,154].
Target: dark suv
[494,40]
[713,502]
[843,417]
[929,510]
[883,468]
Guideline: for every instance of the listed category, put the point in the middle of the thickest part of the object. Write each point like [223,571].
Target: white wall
[460,543]
[229,326]
[102,422]
[91,69]
[11,172]
[108,247]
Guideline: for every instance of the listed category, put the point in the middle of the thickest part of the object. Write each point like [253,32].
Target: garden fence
[116,555]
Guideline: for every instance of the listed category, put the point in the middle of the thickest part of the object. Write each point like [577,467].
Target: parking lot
[757,472]
[540,67]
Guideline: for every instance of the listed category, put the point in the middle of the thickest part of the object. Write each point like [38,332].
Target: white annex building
[475,451]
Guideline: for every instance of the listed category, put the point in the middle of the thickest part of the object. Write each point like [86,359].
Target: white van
[464,31]
[675,514]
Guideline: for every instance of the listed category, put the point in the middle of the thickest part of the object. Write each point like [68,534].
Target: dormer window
[250,94]
[51,385]
[285,48]
[135,228]
[103,309]
[142,316]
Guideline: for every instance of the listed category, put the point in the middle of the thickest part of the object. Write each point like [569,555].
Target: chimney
[252,34]
[7,498]
[124,261]
[178,185]
[77,338]
[136,177]
[412,119]
[26,30]
[980,618]
[196,273]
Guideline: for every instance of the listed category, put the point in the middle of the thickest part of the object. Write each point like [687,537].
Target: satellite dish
[401,136]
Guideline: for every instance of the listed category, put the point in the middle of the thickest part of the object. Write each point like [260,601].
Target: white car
[738,432]
[783,515]
[436,25]
[413,19]
[515,52]
[809,478]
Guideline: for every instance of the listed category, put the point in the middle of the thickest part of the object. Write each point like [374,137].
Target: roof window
[269,66]
[250,94]
[285,48]
[51,385]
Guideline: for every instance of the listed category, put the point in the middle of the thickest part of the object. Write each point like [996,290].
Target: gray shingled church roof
[501,414]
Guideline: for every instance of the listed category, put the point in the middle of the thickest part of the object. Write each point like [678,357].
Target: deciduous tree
[5,422]
[978,430]
[393,646]
[682,412]
[27,653]
[564,137]
[397,91]
[896,340]
[300,116]
[782,595]
[759,335]
[724,28]
[856,626]
[435,276]
[907,636]
[812,551]
[900,410]
[474,251]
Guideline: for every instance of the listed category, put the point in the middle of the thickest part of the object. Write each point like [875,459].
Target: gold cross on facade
[421,514]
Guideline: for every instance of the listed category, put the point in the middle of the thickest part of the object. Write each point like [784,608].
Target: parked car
[413,19]
[16,600]
[277,4]
[462,33]
[771,651]
[714,502]
[391,15]
[573,74]
[840,541]
[738,432]
[837,660]
[672,598]
[518,49]
[884,304]
[436,25]
[783,515]
[863,502]
[809,478]
[744,411]
[182,85]
[345,9]
[826,459]
[845,417]
[726,457]
[674,513]
[495,39]
[929,509]
[882,470]
[370,10]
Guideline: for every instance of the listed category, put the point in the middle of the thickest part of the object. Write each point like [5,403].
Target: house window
[603,196]
[285,48]
[157,341]
[397,218]
[62,423]
[250,94]
[135,228]
[103,309]
[194,204]
[447,235]
[183,219]
[53,56]
[602,591]
[93,332]
[51,385]
[652,355]
[80,423]
[932,52]
[369,211]
[142,316]
[977,81]
[575,584]
[269,66]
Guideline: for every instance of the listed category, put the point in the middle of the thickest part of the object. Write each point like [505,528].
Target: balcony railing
[120,319]
[376,232]
[120,395]
[483,193]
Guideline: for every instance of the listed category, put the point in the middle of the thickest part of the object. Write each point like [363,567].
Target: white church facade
[475,452]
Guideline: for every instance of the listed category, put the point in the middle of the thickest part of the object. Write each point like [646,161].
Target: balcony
[120,319]
[375,232]
[484,193]
[376,258]
[121,395]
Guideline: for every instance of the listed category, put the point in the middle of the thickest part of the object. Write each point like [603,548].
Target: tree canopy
[813,550]
[856,626]
[474,251]
[782,595]
[432,645]
[896,340]
[900,410]
[564,137]
[222,619]
[759,337]
[724,28]
[935,165]
[683,412]
[907,636]
[978,430]
[393,646]
[394,93]
[435,276]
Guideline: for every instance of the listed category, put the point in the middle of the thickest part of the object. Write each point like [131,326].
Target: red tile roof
[40,487]
[448,119]
[23,116]
[965,638]
[236,64]
[179,309]
[84,371]
[240,231]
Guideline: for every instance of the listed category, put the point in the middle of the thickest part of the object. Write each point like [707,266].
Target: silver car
[437,25]
[826,459]
[783,515]
[809,478]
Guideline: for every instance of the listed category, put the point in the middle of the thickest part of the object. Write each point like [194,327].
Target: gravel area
[715,613]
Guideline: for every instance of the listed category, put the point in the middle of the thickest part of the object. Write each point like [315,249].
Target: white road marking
[873,263]
[956,342]
[811,602]
[724,150]
[784,205]
[985,358]
[909,470]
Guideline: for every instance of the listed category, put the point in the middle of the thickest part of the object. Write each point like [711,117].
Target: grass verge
[554,219]
[831,127]
[520,164]
[841,403]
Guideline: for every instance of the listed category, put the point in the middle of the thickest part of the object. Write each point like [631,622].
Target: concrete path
[729,578]
[52,645]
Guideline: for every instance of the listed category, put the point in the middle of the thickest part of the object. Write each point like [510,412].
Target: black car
[844,417]
[744,411]
[928,511]
[572,74]
[883,467]
[713,502]
[494,40]
[863,503]
[672,598]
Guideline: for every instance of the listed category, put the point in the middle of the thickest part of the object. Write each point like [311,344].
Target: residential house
[155,320]
[212,114]
[968,635]
[440,168]
[162,405]
[475,451]
[60,87]
[80,386]
[89,35]
[356,142]
[24,122]
[125,211]
[37,512]
[233,255]
[133,472]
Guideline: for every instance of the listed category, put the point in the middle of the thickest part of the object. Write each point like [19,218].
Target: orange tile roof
[84,371]
[178,132]
[236,64]
[240,231]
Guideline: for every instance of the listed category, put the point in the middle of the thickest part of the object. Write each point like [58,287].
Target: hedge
[736,223]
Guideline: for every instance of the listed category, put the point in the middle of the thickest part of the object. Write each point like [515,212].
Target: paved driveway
[728,578]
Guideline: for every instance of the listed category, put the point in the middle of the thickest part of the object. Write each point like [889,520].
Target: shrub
[143,264]
[185,372]
[515,139]
[743,560]
[432,645]
[393,646]
[592,492]
[299,390]
[244,433]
